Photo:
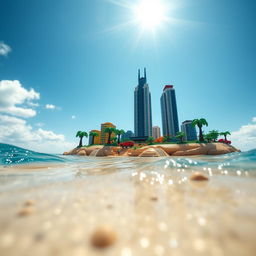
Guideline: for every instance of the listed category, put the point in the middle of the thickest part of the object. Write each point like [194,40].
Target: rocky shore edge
[159,150]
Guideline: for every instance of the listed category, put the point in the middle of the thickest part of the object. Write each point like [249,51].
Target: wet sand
[151,208]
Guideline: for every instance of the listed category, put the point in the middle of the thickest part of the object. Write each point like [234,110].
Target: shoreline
[157,150]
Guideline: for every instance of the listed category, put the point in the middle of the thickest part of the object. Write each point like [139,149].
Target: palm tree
[214,135]
[150,140]
[180,135]
[119,133]
[113,139]
[200,123]
[208,137]
[81,134]
[225,134]
[93,134]
[109,130]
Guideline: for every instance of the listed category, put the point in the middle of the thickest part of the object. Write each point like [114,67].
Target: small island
[114,146]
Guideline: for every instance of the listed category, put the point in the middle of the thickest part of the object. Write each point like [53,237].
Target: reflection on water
[40,168]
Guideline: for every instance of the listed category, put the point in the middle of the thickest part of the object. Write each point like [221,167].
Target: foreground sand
[152,210]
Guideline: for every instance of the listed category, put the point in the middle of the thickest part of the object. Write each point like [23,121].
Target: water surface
[149,202]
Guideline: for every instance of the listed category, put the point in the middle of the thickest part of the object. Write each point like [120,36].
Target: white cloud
[12,94]
[245,137]
[4,49]
[17,131]
[50,106]
[33,104]
[39,124]
[73,117]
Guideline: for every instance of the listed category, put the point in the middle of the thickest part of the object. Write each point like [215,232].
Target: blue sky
[80,58]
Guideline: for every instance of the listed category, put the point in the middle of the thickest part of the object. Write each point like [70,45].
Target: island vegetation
[211,137]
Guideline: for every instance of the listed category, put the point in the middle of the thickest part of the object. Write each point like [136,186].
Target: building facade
[189,130]
[127,136]
[169,111]
[142,108]
[104,136]
[156,132]
[97,140]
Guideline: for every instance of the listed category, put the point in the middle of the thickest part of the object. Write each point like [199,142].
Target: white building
[156,132]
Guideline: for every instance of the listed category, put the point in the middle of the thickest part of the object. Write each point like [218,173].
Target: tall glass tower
[169,111]
[142,108]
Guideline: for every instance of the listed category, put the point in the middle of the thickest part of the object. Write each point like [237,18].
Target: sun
[149,14]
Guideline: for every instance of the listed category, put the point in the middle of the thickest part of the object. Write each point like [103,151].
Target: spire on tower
[145,74]
[139,75]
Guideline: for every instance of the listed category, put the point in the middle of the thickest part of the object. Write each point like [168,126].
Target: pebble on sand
[30,202]
[103,237]
[153,198]
[198,177]
[26,211]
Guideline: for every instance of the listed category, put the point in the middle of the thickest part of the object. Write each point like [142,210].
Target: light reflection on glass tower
[142,108]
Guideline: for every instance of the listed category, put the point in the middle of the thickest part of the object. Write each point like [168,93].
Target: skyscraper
[169,111]
[189,130]
[156,132]
[142,108]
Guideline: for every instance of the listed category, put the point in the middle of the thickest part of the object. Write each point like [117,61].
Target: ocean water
[150,203]
[21,168]
[239,161]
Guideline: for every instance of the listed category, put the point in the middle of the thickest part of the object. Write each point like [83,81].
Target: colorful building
[97,140]
[104,136]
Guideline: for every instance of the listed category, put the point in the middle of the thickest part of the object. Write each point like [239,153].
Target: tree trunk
[201,137]
[118,141]
[92,140]
[81,142]
[109,136]
[225,136]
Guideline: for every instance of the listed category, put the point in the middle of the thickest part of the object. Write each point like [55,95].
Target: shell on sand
[198,177]
[103,237]
[26,211]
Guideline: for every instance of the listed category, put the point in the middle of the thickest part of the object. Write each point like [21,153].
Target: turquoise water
[11,155]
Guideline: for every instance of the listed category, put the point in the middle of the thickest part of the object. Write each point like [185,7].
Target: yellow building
[97,140]
[104,136]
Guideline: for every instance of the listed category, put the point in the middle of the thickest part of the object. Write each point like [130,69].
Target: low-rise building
[104,136]
[97,139]
[189,130]
[127,135]
[156,132]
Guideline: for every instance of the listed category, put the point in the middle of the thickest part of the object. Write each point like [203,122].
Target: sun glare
[150,14]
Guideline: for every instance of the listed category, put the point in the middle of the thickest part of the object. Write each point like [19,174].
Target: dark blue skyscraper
[169,111]
[142,108]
